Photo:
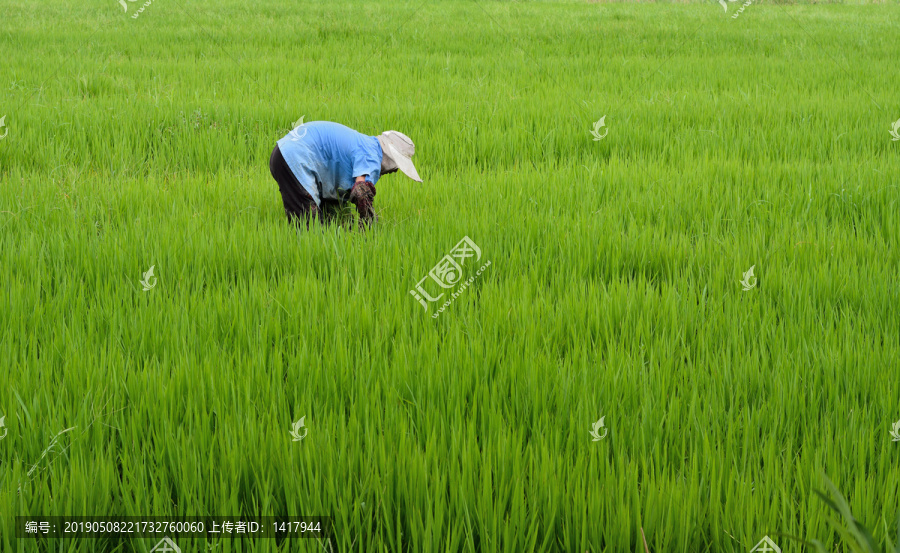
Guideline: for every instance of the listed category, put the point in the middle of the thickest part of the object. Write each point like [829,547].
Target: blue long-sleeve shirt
[326,158]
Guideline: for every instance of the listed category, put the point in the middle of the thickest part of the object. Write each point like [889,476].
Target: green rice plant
[613,292]
[855,537]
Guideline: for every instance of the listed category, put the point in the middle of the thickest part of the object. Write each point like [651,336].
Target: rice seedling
[689,312]
[854,535]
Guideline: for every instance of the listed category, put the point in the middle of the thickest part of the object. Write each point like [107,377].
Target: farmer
[319,165]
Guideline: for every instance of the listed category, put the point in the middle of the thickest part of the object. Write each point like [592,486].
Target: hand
[361,195]
[362,190]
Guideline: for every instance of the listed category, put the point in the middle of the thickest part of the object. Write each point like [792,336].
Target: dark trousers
[298,204]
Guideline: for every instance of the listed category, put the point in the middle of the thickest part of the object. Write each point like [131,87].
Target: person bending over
[320,165]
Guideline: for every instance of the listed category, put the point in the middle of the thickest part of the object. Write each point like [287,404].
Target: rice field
[614,374]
